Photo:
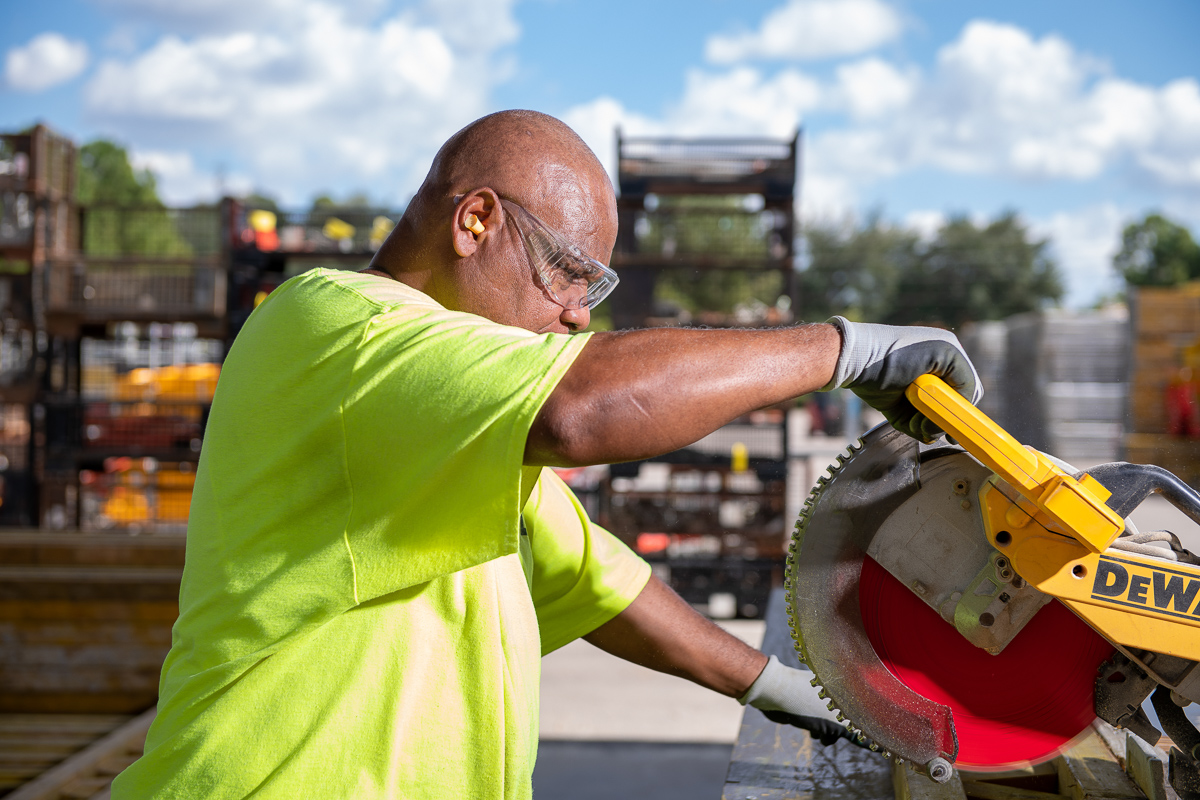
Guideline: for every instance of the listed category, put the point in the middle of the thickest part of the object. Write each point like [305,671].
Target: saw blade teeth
[794,553]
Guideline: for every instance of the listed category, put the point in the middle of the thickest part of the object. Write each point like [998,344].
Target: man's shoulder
[356,287]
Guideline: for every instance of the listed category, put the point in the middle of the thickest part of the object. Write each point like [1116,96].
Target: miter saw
[976,604]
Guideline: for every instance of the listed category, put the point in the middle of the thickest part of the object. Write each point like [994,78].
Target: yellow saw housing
[1057,531]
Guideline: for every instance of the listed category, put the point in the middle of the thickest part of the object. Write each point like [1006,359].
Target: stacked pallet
[1056,380]
[67,756]
[85,620]
[1165,325]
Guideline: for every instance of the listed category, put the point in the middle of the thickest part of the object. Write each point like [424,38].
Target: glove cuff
[764,684]
[843,371]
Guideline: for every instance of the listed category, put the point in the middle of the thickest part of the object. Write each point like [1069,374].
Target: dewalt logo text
[1135,585]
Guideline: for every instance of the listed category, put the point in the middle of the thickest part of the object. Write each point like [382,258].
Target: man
[377,559]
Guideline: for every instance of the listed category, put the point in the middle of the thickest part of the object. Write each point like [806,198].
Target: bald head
[466,254]
[528,157]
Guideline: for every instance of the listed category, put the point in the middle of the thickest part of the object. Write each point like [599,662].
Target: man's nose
[576,319]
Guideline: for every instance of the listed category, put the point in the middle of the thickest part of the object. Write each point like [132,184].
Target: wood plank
[1033,771]
[1147,766]
[90,574]
[49,784]
[1090,771]
[984,790]
[84,723]
[85,787]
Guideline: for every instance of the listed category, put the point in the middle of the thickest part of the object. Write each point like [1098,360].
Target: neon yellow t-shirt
[355,617]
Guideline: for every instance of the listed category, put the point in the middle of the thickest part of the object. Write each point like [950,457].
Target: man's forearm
[660,631]
[639,394]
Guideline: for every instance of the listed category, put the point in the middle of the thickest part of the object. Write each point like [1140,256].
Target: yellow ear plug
[473,224]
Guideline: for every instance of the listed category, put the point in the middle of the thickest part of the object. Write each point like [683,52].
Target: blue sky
[1078,118]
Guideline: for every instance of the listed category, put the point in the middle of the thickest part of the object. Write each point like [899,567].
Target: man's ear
[475,214]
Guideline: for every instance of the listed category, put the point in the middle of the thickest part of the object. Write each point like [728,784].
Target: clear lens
[571,278]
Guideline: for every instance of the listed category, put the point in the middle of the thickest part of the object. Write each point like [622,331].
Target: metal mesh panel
[728,237]
[96,430]
[168,366]
[137,495]
[16,219]
[145,288]
[713,159]
[14,437]
[163,233]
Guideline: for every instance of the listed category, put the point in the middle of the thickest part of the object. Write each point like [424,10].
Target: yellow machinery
[976,604]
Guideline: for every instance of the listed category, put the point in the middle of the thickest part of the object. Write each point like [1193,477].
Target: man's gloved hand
[878,362]
[787,696]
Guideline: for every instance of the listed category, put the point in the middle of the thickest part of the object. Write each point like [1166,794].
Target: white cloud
[1000,103]
[997,102]
[181,182]
[324,98]
[47,60]
[810,29]
[872,88]
[739,102]
[1083,243]
[743,101]
[226,16]
[926,222]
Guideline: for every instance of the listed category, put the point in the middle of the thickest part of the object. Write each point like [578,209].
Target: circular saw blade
[912,685]
[1025,705]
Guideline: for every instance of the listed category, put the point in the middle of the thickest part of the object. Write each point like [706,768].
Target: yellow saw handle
[1076,506]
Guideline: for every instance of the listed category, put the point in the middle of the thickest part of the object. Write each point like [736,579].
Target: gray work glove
[786,696]
[878,362]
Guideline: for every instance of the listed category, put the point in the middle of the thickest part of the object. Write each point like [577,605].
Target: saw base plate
[1023,706]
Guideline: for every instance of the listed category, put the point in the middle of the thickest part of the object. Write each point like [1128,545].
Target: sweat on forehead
[529,157]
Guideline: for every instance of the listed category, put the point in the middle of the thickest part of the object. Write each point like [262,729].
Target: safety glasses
[571,278]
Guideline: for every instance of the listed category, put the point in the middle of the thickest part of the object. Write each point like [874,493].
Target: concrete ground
[588,695]
[613,730]
[617,770]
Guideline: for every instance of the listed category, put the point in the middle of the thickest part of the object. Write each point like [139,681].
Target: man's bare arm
[660,631]
[639,394]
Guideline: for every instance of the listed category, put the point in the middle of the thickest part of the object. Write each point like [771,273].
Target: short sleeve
[437,411]
[583,576]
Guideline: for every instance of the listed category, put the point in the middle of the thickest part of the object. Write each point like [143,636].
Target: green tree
[970,273]
[853,271]
[259,200]
[123,215]
[107,178]
[1157,252]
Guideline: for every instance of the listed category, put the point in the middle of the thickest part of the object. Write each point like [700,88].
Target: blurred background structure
[1028,180]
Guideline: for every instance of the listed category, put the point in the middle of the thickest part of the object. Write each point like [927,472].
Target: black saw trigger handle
[1130,484]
